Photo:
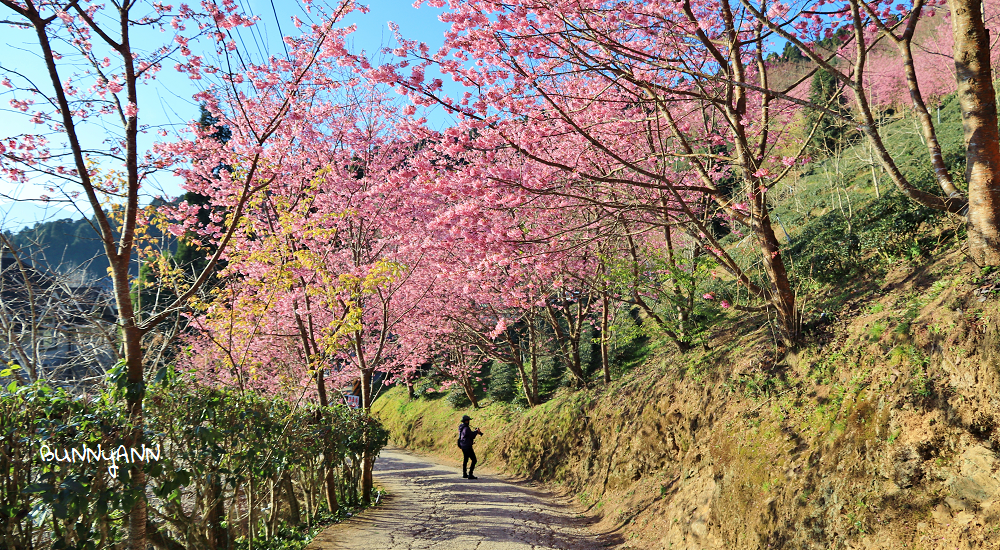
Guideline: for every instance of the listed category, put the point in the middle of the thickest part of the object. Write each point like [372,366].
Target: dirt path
[431,506]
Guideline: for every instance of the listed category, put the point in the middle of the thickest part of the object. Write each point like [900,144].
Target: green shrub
[502,382]
[457,398]
[552,375]
[829,249]
[427,387]
[825,251]
[876,331]
[889,226]
[212,446]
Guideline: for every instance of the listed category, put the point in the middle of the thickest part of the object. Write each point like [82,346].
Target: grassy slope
[431,424]
[825,185]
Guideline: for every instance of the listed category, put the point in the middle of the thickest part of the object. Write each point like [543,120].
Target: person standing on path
[466,436]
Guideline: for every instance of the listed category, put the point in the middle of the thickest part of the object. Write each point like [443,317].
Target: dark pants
[469,455]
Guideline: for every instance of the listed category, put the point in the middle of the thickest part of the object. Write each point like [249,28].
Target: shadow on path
[431,506]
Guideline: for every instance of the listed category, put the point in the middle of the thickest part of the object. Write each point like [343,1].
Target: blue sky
[169,102]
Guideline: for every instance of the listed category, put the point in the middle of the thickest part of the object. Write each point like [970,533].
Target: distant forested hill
[65,243]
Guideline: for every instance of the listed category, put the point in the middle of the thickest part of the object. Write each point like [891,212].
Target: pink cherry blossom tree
[335,276]
[630,107]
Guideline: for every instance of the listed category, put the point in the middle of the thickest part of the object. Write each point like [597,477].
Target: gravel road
[430,506]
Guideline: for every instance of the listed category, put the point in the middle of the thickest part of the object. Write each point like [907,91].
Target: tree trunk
[525,383]
[514,345]
[605,363]
[979,121]
[928,133]
[271,521]
[307,493]
[352,477]
[330,482]
[366,390]
[565,344]
[251,510]
[367,461]
[217,533]
[534,363]
[470,392]
[293,502]
[683,313]
[321,388]
[782,296]
[233,514]
[135,391]
[366,478]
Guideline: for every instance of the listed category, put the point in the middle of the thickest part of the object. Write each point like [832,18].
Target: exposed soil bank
[881,433]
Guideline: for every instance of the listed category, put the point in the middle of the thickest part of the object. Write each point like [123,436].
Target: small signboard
[353,401]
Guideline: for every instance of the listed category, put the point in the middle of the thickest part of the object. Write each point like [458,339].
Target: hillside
[881,433]
[725,273]
[65,243]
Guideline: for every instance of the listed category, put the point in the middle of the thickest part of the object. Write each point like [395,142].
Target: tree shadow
[433,503]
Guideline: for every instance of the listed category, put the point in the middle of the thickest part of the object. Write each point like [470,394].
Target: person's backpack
[461,437]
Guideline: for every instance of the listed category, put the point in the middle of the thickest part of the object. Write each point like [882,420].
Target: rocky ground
[431,506]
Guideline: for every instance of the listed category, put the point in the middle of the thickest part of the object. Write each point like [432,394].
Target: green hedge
[221,466]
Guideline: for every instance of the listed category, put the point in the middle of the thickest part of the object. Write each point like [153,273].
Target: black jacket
[465,436]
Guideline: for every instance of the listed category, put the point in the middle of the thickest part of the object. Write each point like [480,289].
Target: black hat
[466,417]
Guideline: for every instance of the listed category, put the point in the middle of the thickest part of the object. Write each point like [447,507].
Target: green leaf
[161,375]
[38,488]
[73,485]
[59,509]
[118,375]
